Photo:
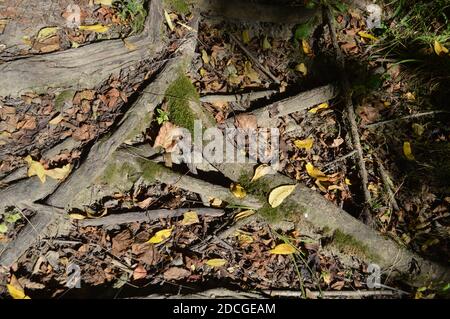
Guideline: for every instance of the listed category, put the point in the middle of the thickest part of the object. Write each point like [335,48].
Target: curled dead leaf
[279,194]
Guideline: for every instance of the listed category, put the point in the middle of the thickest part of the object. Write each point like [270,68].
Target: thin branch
[408,117]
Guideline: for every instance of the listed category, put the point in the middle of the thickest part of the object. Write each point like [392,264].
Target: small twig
[387,183]
[254,59]
[147,216]
[413,116]
[329,294]
[340,159]
[351,116]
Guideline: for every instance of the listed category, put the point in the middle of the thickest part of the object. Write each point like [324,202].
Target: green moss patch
[351,246]
[179,6]
[178,96]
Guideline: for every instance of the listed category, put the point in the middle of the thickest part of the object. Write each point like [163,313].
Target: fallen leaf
[35,168]
[366,35]
[176,273]
[3,228]
[160,236]
[246,121]
[279,194]
[261,171]
[418,129]
[266,44]
[251,73]
[237,190]
[15,289]
[314,110]
[104,2]
[215,202]
[216,262]
[205,57]
[77,216]
[316,173]
[168,20]
[306,48]
[99,28]
[411,97]
[407,151]
[246,37]
[440,49]
[243,214]
[301,67]
[59,173]
[306,144]
[56,120]
[190,218]
[139,272]
[368,114]
[46,33]
[283,249]
[165,138]
[245,239]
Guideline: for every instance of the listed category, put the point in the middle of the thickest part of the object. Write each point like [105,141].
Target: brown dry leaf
[176,273]
[121,242]
[165,138]
[145,203]
[337,142]
[56,120]
[246,121]
[279,194]
[139,272]
[368,114]
[84,95]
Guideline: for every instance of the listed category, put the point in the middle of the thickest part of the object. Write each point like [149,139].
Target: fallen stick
[346,90]
[83,67]
[408,117]
[239,98]
[268,116]
[356,294]
[147,216]
[387,184]
[217,293]
[254,59]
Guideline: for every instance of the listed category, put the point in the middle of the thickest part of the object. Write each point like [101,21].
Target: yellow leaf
[246,36]
[244,239]
[316,173]
[251,73]
[302,69]
[366,35]
[35,168]
[205,57]
[60,172]
[306,144]
[202,72]
[168,20]
[104,2]
[347,181]
[440,49]
[216,262]
[279,194]
[46,33]
[410,96]
[75,44]
[418,129]
[77,216]
[215,202]
[56,120]
[160,236]
[189,218]
[314,110]
[407,151]
[243,214]
[306,48]
[261,171]
[283,249]
[15,289]
[238,190]
[99,28]
[266,44]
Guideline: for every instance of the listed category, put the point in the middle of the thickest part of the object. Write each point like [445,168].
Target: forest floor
[402,123]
